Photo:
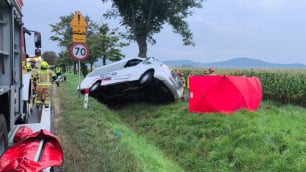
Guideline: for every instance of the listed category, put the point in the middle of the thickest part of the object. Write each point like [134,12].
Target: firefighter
[24,67]
[188,79]
[38,57]
[29,71]
[211,70]
[32,94]
[29,68]
[181,75]
[58,71]
[34,75]
[45,78]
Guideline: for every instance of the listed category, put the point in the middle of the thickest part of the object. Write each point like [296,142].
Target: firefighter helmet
[29,67]
[44,64]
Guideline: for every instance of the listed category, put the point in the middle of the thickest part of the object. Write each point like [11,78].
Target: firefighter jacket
[34,74]
[58,70]
[45,77]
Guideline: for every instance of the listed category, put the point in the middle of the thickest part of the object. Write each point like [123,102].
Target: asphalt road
[35,116]
[43,115]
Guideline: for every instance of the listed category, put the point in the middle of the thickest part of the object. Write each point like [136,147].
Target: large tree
[63,35]
[144,18]
[101,41]
[50,57]
[106,44]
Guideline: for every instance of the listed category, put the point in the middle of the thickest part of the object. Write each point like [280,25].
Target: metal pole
[79,78]
[39,150]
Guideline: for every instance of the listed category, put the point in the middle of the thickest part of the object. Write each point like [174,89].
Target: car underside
[153,91]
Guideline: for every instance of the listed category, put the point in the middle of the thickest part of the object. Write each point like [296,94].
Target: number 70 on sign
[79,51]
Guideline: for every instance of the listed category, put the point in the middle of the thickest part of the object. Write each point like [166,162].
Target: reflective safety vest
[44,77]
[57,70]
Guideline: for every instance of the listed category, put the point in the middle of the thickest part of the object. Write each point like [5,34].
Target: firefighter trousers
[43,94]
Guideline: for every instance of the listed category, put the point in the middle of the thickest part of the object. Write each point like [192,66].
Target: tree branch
[149,21]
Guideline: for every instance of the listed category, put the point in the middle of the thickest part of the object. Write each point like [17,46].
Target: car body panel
[122,77]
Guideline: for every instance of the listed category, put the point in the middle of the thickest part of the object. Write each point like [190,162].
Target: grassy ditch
[271,139]
[146,137]
[95,139]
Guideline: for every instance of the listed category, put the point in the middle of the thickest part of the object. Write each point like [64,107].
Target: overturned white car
[134,78]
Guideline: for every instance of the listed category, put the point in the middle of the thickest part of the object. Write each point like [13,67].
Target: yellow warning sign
[79,26]
[78,20]
[79,34]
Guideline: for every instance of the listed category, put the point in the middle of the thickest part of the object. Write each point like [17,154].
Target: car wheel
[93,91]
[146,77]
[95,86]
[3,135]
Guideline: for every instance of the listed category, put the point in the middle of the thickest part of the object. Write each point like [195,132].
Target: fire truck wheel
[3,135]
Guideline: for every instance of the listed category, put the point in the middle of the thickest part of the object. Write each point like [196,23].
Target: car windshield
[150,60]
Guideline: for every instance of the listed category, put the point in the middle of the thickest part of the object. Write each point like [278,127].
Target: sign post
[79,50]
[86,98]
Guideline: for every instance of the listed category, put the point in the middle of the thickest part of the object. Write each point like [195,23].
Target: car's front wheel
[146,77]
[95,86]
[94,89]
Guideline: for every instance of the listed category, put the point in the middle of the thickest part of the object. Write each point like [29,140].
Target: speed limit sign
[79,51]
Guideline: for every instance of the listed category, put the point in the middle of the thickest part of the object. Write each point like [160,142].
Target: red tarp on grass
[23,156]
[224,93]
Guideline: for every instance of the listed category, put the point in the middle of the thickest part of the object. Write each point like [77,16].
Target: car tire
[146,77]
[95,86]
[93,91]
[3,135]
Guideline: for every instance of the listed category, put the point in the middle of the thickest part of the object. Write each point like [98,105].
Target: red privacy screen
[224,93]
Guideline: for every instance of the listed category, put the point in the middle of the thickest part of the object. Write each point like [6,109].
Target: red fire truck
[15,85]
[36,149]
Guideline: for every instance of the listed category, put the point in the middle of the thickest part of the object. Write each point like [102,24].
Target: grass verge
[146,137]
[95,139]
[270,139]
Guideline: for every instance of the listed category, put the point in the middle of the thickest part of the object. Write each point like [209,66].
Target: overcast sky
[269,30]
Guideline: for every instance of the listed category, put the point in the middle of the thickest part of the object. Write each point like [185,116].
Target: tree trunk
[91,64]
[75,68]
[104,60]
[84,69]
[142,45]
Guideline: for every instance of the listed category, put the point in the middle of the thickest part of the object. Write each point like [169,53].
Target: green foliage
[110,43]
[50,57]
[102,42]
[143,19]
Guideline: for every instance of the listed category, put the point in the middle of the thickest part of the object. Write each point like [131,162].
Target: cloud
[274,30]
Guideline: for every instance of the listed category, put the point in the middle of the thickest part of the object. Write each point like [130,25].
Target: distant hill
[236,63]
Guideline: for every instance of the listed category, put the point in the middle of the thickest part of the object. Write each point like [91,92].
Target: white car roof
[112,66]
